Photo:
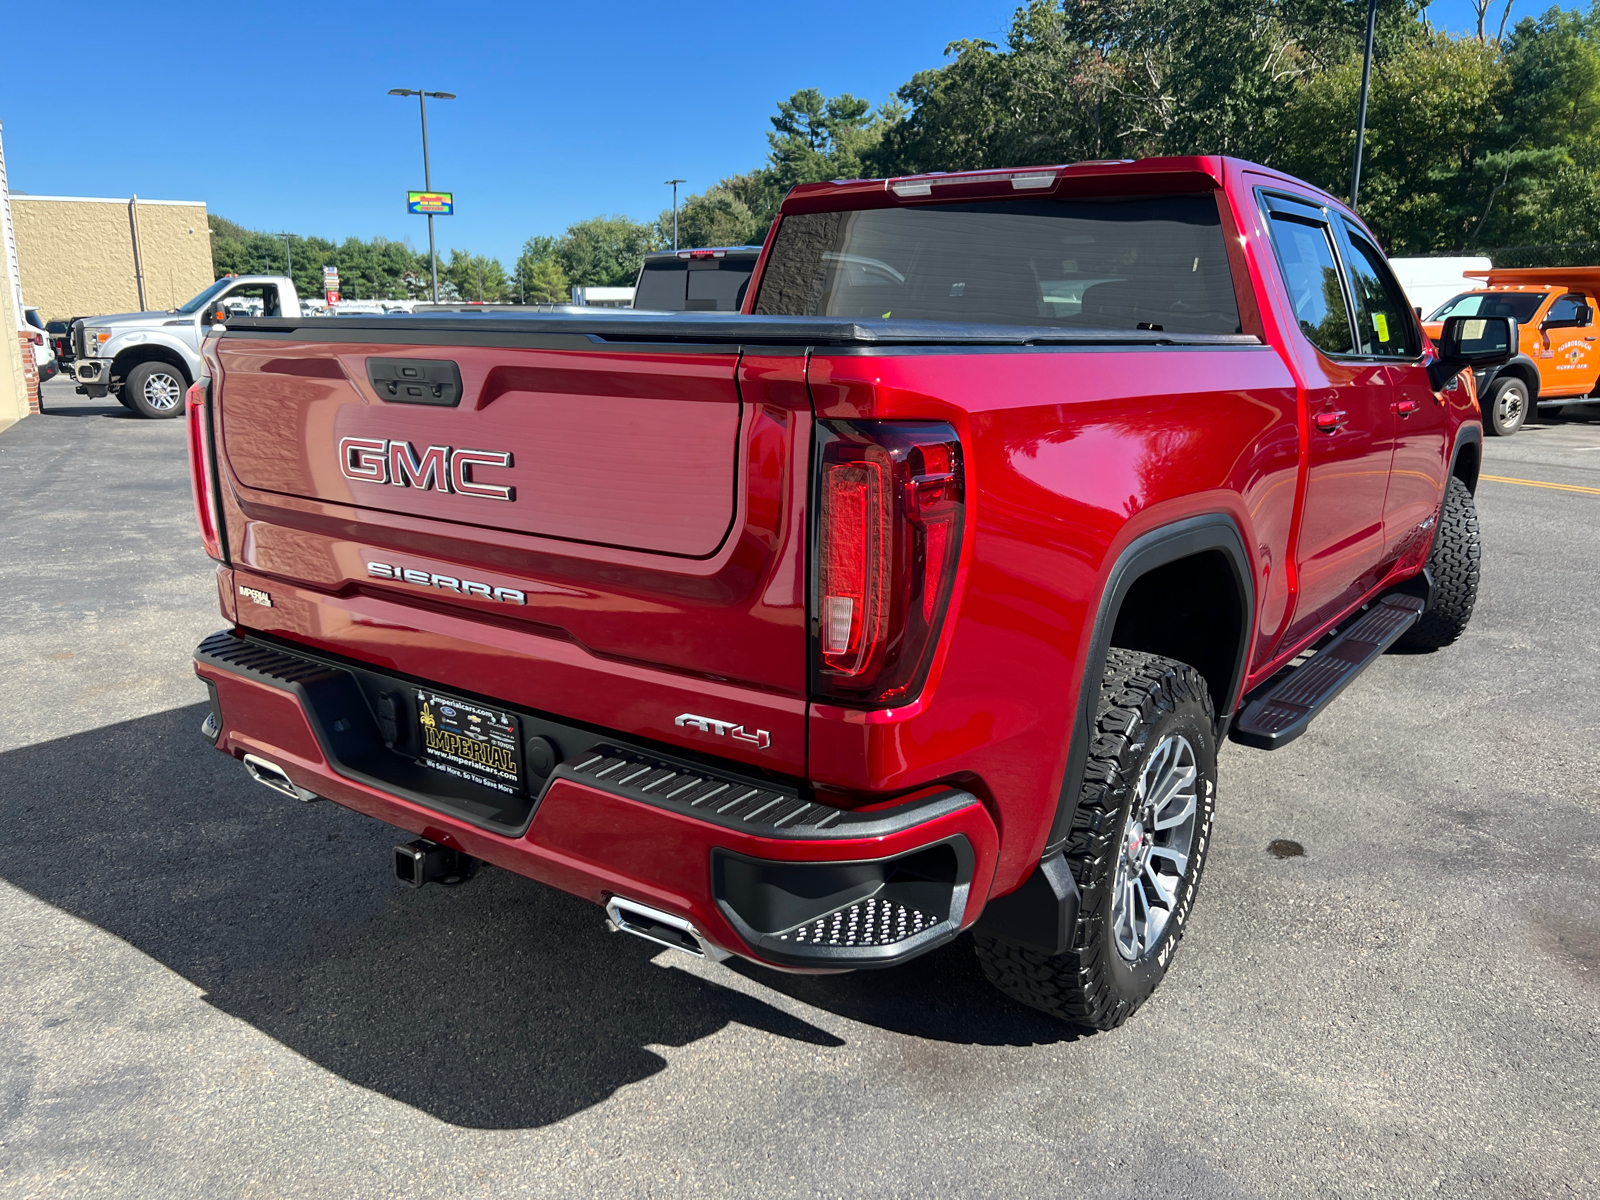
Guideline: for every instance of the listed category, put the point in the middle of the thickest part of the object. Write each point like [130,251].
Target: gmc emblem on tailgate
[438,468]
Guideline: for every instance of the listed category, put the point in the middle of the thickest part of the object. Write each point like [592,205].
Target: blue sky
[277,115]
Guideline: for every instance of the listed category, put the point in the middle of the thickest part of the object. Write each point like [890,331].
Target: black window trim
[1305,212]
[1347,230]
[1310,212]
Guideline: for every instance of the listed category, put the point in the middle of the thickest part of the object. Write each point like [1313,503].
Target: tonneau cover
[699,328]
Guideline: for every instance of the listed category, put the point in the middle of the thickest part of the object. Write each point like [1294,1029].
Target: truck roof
[1578,279]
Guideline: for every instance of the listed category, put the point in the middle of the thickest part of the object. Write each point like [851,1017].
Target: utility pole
[675,183]
[1361,113]
[427,174]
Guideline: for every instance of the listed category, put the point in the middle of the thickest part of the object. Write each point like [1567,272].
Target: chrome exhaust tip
[275,777]
[662,928]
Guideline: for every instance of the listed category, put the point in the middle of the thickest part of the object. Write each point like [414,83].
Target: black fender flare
[1467,435]
[1182,539]
[1526,369]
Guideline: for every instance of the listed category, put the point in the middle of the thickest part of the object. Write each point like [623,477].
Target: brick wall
[30,371]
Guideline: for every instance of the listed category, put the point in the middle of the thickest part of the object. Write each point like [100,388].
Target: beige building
[82,257]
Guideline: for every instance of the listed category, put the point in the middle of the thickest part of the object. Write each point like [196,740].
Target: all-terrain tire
[155,390]
[1454,561]
[1145,701]
[1506,407]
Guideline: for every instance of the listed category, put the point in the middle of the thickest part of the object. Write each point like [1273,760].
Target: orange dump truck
[1559,362]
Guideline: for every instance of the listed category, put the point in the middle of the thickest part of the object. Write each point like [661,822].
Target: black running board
[1281,713]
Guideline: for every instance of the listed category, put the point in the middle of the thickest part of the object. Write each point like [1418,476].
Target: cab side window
[255,300]
[1384,324]
[1311,273]
[1567,312]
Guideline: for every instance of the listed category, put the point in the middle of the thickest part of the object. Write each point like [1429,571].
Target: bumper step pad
[1282,713]
[639,776]
[870,922]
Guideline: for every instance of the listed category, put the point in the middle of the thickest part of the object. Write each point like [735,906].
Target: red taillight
[201,478]
[889,504]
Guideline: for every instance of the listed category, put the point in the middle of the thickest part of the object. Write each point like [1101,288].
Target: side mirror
[1585,314]
[1467,343]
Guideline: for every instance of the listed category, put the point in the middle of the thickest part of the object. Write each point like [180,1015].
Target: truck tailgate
[644,516]
[635,450]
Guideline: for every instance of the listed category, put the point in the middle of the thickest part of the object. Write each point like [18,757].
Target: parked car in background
[60,335]
[710,280]
[149,359]
[44,354]
[1558,361]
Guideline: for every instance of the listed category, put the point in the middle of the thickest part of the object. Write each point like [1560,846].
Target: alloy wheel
[1156,843]
[163,392]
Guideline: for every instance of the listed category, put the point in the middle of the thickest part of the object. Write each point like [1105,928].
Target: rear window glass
[661,286]
[1150,263]
[718,285]
[695,285]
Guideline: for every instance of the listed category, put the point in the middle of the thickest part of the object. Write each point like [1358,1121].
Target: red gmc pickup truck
[912,599]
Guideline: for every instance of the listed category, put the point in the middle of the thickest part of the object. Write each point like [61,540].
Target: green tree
[716,217]
[1089,79]
[604,251]
[473,277]
[540,276]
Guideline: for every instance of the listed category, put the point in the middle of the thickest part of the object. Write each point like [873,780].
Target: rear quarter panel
[1073,453]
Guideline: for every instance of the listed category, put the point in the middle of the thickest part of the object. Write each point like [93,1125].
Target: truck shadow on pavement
[498,1005]
[81,408]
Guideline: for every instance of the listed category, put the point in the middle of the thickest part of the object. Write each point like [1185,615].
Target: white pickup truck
[149,359]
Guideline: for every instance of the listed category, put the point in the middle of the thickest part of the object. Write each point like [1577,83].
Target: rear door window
[1155,263]
[1384,325]
[1311,273]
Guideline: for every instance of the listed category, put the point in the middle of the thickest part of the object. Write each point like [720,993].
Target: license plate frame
[470,741]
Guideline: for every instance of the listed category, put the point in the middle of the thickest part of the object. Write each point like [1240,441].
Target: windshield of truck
[1518,305]
[199,301]
[1158,263]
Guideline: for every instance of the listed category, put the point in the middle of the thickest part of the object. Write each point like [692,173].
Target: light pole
[1361,112]
[675,183]
[427,175]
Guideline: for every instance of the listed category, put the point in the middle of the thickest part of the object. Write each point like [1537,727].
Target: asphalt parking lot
[212,990]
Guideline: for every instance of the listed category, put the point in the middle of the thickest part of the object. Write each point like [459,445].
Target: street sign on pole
[333,297]
[433,203]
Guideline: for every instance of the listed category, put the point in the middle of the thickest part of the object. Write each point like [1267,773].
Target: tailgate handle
[416,380]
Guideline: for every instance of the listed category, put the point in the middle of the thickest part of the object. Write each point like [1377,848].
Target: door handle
[1588,337]
[1329,420]
[1405,407]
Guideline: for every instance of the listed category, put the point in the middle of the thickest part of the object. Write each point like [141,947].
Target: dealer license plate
[471,742]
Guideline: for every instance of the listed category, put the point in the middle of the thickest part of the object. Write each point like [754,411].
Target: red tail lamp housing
[889,499]
[203,469]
